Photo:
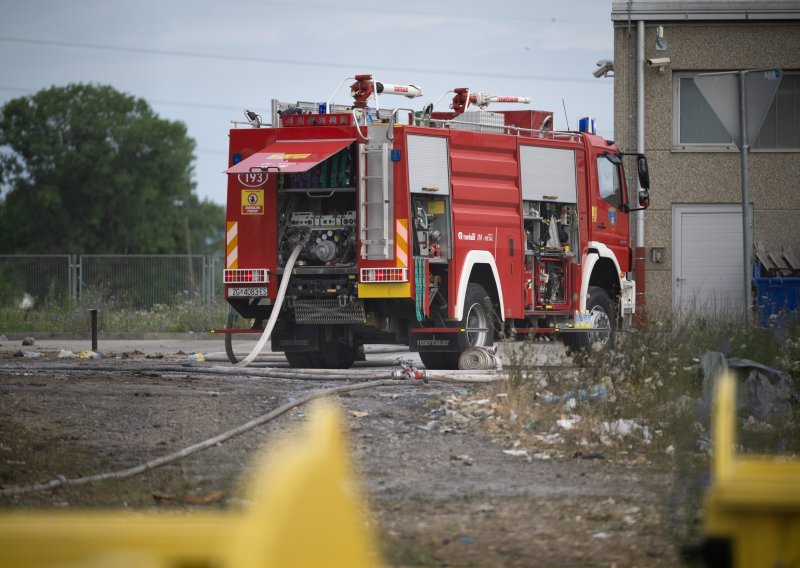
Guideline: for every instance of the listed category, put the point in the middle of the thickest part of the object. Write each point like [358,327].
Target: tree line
[86,169]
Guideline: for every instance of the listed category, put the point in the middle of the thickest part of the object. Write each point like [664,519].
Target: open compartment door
[290,156]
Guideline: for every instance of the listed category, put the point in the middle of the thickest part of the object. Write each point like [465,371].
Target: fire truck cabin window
[608,181]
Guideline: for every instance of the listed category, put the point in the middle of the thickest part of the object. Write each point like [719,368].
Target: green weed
[114,315]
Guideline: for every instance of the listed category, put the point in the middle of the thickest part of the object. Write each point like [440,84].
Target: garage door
[707,259]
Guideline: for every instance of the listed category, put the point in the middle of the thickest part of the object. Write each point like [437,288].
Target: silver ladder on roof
[374,203]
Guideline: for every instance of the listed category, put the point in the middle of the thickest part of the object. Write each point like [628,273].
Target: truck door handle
[601,226]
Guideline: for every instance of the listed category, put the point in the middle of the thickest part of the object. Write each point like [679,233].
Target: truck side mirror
[644,173]
[644,198]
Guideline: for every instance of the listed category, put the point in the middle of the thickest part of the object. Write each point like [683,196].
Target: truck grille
[328,311]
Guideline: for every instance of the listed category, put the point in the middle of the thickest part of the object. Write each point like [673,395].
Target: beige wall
[705,177]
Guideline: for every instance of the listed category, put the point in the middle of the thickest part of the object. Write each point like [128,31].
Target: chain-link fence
[139,281]
[41,279]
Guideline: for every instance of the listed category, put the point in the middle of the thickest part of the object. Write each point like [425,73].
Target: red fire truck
[436,230]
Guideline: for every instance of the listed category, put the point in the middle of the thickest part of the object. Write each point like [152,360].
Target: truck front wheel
[478,326]
[603,322]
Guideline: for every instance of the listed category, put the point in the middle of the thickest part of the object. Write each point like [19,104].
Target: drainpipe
[639,251]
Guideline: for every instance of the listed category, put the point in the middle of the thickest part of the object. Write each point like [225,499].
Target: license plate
[253,292]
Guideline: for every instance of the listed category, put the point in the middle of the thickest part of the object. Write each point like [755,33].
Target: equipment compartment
[317,210]
[551,237]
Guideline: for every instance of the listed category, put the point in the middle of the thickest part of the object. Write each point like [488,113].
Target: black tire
[328,359]
[304,359]
[233,321]
[434,360]
[331,355]
[604,324]
[478,314]
[342,357]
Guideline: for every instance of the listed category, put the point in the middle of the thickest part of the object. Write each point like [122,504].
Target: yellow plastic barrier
[305,510]
[752,510]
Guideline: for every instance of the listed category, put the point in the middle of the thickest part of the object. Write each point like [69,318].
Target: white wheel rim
[601,326]
[477,319]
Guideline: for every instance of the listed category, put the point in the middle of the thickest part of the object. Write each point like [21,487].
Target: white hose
[287,273]
[62,481]
[477,359]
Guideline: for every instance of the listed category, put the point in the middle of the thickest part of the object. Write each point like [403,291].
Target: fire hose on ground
[391,378]
[476,359]
[61,481]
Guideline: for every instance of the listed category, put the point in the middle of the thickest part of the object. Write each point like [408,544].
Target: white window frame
[678,146]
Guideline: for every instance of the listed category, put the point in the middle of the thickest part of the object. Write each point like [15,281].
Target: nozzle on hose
[408,373]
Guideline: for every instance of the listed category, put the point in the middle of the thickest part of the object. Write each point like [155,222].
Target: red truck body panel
[486,209]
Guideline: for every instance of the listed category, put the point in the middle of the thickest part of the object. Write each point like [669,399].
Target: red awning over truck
[290,156]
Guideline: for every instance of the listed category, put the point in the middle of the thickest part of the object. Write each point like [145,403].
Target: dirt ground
[441,495]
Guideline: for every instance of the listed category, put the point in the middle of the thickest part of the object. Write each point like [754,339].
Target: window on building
[696,127]
[695,123]
[781,128]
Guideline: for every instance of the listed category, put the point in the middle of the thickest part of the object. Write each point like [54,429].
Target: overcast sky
[203,61]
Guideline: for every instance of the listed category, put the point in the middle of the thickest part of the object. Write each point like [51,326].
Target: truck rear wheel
[304,360]
[331,353]
[604,323]
[326,359]
[478,323]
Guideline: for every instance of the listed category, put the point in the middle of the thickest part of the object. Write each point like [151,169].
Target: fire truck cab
[436,230]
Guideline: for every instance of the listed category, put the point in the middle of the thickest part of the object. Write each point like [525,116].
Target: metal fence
[138,281]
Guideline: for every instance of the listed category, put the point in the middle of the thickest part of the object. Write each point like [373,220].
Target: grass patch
[114,316]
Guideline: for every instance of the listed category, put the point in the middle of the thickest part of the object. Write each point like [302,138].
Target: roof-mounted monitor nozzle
[252,118]
[366,86]
[463,98]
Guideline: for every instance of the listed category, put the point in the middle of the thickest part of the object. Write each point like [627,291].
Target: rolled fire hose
[287,273]
[477,359]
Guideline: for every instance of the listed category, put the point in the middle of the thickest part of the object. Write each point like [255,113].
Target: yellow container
[752,510]
[305,510]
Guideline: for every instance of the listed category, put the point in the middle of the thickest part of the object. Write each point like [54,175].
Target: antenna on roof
[565,112]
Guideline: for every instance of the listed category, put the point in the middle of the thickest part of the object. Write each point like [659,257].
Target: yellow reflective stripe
[401,243]
[232,245]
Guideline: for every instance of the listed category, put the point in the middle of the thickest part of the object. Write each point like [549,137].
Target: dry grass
[640,401]
[651,378]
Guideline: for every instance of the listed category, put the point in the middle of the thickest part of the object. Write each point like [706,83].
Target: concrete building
[693,229]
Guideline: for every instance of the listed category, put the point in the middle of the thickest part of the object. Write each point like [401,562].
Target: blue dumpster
[776,280]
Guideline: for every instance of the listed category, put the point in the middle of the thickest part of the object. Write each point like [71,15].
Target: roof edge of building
[683,10]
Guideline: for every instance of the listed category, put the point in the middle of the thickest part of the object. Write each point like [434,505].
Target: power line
[296,62]
[339,8]
[17,89]
[149,100]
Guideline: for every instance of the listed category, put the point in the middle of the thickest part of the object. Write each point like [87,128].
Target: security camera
[604,67]
[658,61]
